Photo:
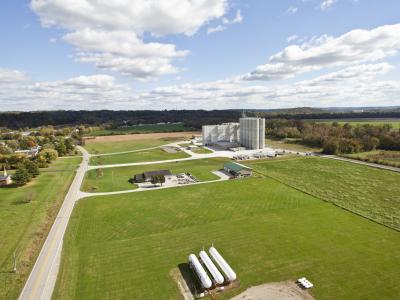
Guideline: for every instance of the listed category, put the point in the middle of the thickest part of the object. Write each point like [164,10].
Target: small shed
[146,176]
[5,179]
[238,170]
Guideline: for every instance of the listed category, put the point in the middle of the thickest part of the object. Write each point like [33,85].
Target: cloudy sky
[206,54]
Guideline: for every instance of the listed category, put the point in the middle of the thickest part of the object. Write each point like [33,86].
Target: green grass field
[133,157]
[367,191]
[148,128]
[116,179]
[94,146]
[24,226]
[287,145]
[201,151]
[377,122]
[125,246]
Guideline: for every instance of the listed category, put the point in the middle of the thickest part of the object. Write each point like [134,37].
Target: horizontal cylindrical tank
[201,273]
[215,273]
[225,267]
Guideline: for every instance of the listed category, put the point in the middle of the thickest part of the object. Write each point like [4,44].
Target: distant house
[237,170]
[5,179]
[146,176]
[32,152]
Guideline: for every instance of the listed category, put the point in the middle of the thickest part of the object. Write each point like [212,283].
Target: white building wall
[220,133]
[252,133]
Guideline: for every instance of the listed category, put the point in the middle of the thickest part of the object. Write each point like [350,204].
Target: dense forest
[191,118]
[334,138]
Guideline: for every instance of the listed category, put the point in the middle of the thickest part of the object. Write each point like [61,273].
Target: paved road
[41,281]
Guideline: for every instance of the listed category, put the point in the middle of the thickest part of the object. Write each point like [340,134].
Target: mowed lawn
[125,246]
[146,128]
[133,157]
[367,191]
[94,146]
[116,179]
[24,226]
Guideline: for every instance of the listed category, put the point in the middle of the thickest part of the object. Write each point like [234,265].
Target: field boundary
[318,197]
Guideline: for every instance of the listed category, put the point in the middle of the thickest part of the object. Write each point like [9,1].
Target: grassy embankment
[383,157]
[148,128]
[289,144]
[125,246]
[116,179]
[26,215]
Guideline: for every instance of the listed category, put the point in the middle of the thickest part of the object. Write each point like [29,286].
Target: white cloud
[291,10]
[292,38]
[327,4]
[351,86]
[124,52]
[356,46]
[97,27]
[8,76]
[226,22]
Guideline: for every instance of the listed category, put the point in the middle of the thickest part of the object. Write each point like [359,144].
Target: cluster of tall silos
[249,132]
[252,133]
[216,272]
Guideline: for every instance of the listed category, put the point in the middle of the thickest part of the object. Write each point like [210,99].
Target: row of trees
[334,138]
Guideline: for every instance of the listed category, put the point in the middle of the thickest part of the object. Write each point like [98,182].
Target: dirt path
[286,290]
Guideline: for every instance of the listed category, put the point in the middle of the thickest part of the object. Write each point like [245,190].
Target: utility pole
[15,263]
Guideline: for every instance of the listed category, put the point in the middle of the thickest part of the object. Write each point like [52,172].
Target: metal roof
[235,167]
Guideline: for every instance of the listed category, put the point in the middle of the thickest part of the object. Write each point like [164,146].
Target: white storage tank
[225,267]
[215,273]
[201,273]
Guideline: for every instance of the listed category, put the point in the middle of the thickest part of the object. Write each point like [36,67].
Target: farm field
[133,157]
[385,157]
[101,147]
[370,192]
[146,128]
[125,246]
[116,179]
[24,224]
[377,122]
[287,145]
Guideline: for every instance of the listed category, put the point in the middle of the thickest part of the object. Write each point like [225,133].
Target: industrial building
[227,132]
[252,133]
[237,170]
[146,176]
[249,132]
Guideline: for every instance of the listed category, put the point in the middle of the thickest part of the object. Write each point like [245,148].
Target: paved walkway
[42,279]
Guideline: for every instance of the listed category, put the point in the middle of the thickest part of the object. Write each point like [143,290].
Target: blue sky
[210,54]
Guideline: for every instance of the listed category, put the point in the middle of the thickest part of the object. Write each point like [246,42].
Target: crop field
[94,146]
[126,246]
[147,128]
[377,122]
[133,157]
[288,145]
[116,179]
[370,192]
[26,214]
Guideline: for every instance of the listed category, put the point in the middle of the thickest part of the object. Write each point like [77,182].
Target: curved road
[41,281]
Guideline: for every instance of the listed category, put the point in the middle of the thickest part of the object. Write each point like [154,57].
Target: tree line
[334,138]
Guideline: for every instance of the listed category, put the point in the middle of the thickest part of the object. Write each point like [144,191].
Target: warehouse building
[214,134]
[237,170]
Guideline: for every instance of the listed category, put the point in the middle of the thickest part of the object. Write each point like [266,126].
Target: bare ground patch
[285,290]
[144,136]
